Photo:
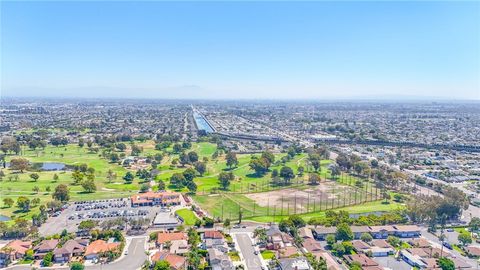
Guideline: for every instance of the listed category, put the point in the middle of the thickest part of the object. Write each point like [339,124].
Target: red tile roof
[99,246]
[163,237]
[175,261]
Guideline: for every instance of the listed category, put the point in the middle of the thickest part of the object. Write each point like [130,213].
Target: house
[381,243]
[381,248]
[287,252]
[332,264]
[419,242]
[305,233]
[359,230]
[44,247]
[321,232]
[176,262]
[163,237]
[362,259]
[14,250]
[212,235]
[95,249]
[219,260]
[312,246]
[380,252]
[412,259]
[179,247]
[381,232]
[407,231]
[473,251]
[360,247]
[299,263]
[70,249]
[219,244]
[162,198]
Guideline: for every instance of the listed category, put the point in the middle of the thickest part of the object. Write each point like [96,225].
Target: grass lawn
[267,254]
[234,256]
[187,215]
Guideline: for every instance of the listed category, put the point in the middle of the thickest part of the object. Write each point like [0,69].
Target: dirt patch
[325,192]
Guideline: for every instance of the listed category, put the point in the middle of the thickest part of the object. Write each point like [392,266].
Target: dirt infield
[324,193]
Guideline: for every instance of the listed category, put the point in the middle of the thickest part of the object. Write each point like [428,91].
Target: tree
[77,266]
[8,202]
[177,148]
[192,156]
[36,189]
[474,224]
[34,176]
[301,170]
[314,179]
[226,223]
[111,175]
[366,237]
[287,174]
[55,177]
[184,159]
[335,171]
[178,180]
[87,225]
[77,177]
[225,178]
[464,238]
[47,259]
[161,185]
[344,233]
[128,177]
[192,187]
[338,249]
[232,160]
[200,167]
[259,165]
[446,263]
[189,174]
[61,193]
[331,239]
[144,188]
[23,203]
[19,164]
[89,185]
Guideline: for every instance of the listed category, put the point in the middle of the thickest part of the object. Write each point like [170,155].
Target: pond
[4,218]
[376,213]
[45,166]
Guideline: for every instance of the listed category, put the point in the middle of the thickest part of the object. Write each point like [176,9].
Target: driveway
[134,260]
[252,261]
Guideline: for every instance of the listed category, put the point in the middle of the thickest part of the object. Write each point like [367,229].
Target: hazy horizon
[241,50]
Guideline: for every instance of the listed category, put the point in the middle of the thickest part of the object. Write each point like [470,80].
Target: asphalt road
[134,260]
[252,261]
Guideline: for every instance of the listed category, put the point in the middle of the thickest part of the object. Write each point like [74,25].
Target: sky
[241,50]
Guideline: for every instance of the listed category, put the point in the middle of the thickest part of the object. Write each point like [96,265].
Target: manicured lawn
[188,216]
[267,254]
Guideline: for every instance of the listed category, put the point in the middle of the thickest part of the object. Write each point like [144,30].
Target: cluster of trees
[185,179]
[10,145]
[262,164]
[431,209]
[84,176]
[333,218]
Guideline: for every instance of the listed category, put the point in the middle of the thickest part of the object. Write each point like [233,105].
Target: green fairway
[188,216]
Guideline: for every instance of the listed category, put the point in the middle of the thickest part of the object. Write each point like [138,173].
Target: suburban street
[252,261]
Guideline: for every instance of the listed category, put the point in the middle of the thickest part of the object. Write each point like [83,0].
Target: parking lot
[98,210]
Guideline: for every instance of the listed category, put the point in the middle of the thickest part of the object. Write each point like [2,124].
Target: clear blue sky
[241,50]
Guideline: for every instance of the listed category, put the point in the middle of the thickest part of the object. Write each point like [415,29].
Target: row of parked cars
[100,204]
[115,213]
